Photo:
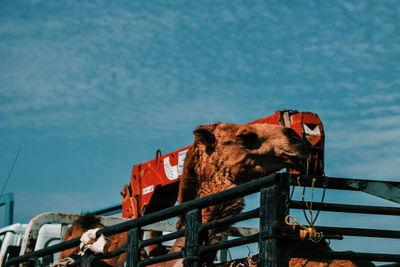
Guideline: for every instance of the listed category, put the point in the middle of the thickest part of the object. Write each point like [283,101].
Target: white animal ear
[205,134]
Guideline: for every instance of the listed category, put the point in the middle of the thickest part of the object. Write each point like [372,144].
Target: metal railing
[275,239]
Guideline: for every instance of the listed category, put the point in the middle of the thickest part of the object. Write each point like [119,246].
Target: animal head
[81,225]
[248,151]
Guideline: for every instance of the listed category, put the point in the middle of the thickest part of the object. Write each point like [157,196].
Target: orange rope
[309,232]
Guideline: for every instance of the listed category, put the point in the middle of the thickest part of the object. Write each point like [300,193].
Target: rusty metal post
[193,221]
[273,209]
[133,248]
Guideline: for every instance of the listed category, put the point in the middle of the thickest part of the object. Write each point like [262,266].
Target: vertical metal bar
[47,260]
[273,209]
[8,201]
[192,257]
[8,220]
[87,260]
[133,248]
[223,254]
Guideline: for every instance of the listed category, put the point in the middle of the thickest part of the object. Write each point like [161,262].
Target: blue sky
[90,88]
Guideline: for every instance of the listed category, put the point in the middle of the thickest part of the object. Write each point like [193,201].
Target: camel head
[81,225]
[248,151]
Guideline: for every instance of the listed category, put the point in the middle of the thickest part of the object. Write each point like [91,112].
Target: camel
[222,157]
[226,155]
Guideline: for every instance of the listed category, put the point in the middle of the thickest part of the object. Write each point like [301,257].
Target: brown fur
[300,262]
[90,221]
[226,155]
[295,262]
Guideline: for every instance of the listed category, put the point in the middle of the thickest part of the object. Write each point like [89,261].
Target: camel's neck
[178,245]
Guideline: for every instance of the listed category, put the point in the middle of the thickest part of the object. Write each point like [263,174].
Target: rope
[311,221]
[308,205]
[306,233]
[63,262]
[322,201]
[309,232]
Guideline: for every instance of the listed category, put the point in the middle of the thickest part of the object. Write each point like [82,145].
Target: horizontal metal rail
[162,258]
[230,243]
[204,249]
[388,190]
[163,238]
[239,191]
[294,235]
[199,203]
[111,254]
[108,210]
[348,231]
[255,213]
[334,182]
[345,255]
[44,251]
[267,234]
[345,208]
[359,232]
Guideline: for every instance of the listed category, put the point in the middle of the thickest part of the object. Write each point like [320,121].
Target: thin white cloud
[387,109]
[381,122]
[374,98]
[364,147]
[355,137]
[150,72]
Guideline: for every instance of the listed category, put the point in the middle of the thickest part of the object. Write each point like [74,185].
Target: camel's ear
[205,134]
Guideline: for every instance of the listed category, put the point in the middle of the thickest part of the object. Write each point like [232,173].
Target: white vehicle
[42,231]
[11,238]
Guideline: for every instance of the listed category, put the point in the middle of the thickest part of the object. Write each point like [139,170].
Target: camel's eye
[249,140]
[293,136]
